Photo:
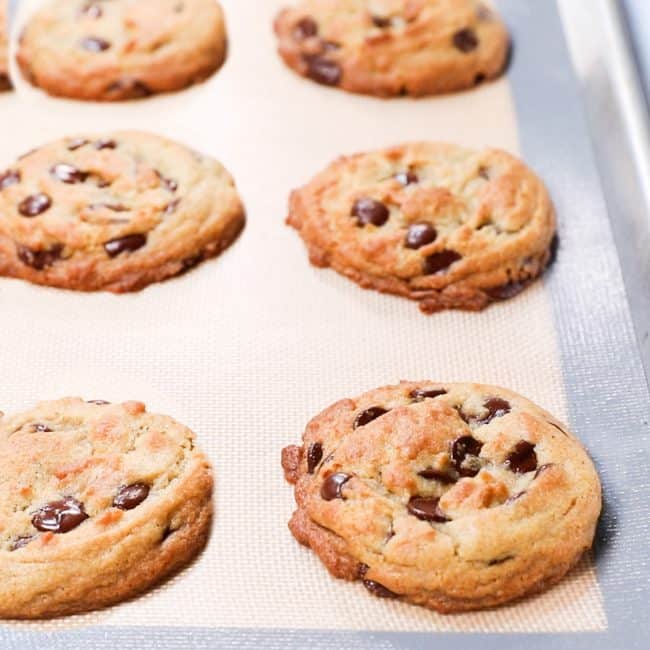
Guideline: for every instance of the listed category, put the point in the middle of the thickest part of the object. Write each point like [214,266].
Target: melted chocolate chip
[427,509]
[522,458]
[322,70]
[68,173]
[465,40]
[432,474]
[11,177]
[94,44]
[305,28]
[420,234]
[34,205]
[440,261]
[362,569]
[379,590]
[464,452]
[500,560]
[368,211]
[314,456]
[420,394]
[505,291]
[38,260]
[131,496]
[105,143]
[129,87]
[496,408]
[60,516]
[484,173]
[368,415]
[331,488]
[381,21]
[407,177]
[129,243]
[77,143]
[19,542]
[40,428]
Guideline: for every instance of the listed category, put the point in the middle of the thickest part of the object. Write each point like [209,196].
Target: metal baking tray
[576,80]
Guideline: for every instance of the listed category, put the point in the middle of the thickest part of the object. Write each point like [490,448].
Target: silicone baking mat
[246,348]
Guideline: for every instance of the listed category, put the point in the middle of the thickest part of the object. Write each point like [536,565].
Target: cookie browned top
[393,47]
[5,82]
[115,212]
[438,223]
[122,49]
[97,502]
[455,496]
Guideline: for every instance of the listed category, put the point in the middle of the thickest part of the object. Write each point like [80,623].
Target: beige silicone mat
[246,348]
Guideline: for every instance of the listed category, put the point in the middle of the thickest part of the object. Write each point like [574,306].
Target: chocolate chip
[496,408]
[420,394]
[131,496]
[440,261]
[368,211]
[40,428]
[420,234]
[68,173]
[406,178]
[479,78]
[34,205]
[368,416]
[381,21]
[38,260]
[305,28]
[465,40]
[77,143]
[331,488]
[105,144]
[128,243]
[464,452]
[506,291]
[362,569]
[322,70]
[484,173]
[60,516]
[500,560]
[379,590]
[91,10]
[10,177]
[314,456]
[522,458]
[98,402]
[190,262]
[431,474]
[542,468]
[129,87]
[427,509]
[19,542]
[94,44]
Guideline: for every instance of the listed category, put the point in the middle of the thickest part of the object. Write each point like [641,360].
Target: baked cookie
[393,47]
[113,212]
[451,496]
[5,82]
[98,502]
[122,49]
[449,227]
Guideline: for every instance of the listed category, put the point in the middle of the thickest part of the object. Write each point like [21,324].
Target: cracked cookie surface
[122,49]
[449,227]
[98,502]
[5,82]
[393,47]
[114,212]
[451,496]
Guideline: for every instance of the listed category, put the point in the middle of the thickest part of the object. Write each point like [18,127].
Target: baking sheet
[246,348]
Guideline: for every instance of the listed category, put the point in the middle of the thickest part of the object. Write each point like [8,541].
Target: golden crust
[393,47]
[70,448]
[508,520]
[143,47]
[486,207]
[181,207]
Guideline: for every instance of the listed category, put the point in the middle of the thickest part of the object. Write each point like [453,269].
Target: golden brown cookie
[98,502]
[122,49]
[451,496]
[114,212]
[450,227]
[393,47]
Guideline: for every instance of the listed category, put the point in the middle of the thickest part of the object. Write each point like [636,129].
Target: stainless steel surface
[620,131]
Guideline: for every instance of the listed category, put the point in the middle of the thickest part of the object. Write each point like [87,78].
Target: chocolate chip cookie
[5,82]
[449,227]
[393,47]
[116,212]
[122,49]
[98,502]
[451,496]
